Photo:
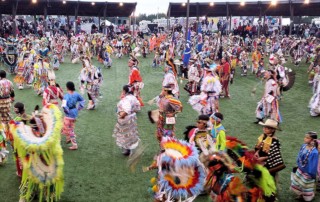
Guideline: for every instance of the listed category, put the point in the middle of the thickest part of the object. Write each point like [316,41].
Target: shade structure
[57,7]
[282,8]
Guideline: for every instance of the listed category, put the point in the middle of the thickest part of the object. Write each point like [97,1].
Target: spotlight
[242,3]
[64,2]
[211,4]
[34,1]
[183,4]
[274,2]
[306,1]
[120,4]
[93,3]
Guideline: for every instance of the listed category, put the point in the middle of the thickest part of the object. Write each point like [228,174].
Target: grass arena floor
[98,171]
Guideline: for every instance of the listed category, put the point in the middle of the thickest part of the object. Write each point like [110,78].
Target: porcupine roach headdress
[181,176]
[41,156]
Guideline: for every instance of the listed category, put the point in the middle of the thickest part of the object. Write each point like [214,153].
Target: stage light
[273,2]
[183,4]
[120,4]
[306,1]
[64,2]
[211,4]
[242,3]
[34,1]
[93,3]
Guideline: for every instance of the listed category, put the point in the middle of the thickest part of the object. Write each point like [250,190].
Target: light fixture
[64,2]
[93,3]
[34,1]
[120,4]
[211,4]
[183,4]
[242,3]
[273,2]
[306,1]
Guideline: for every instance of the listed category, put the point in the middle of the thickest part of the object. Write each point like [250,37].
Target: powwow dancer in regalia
[125,130]
[207,102]
[38,147]
[52,94]
[24,71]
[71,108]
[268,106]
[6,98]
[180,175]
[91,79]
[135,79]
[169,106]
[41,72]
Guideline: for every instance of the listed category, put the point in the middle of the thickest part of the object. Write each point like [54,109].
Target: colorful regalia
[180,174]
[125,130]
[38,147]
[41,72]
[207,102]
[91,79]
[6,97]
[24,71]
[303,178]
[3,147]
[135,80]
[314,103]
[52,94]
[268,106]
[168,107]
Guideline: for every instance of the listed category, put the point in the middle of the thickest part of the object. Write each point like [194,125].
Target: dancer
[268,106]
[303,177]
[125,130]
[135,79]
[71,109]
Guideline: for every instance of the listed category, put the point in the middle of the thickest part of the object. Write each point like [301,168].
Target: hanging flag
[200,41]
[187,51]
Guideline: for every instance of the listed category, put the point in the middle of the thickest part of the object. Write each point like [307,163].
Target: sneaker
[73,147]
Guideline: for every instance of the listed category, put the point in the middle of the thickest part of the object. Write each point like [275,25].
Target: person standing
[71,109]
[225,76]
[135,79]
[169,106]
[268,106]
[268,151]
[6,98]
[125,130]
[303,177]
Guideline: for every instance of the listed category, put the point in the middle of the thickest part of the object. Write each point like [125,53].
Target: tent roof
[56,7]
[282,8]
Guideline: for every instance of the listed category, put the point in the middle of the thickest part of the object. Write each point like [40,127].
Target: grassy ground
[98,171]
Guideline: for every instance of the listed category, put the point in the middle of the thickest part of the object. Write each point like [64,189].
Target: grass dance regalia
[180,174]
[38,147]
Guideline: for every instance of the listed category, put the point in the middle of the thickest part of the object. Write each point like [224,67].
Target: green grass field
[98,171]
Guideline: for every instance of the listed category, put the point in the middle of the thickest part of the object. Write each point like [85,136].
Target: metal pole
[14,13]
[197,17]
[187,23]
[168,17]
[291,17]
[76,17]
[259,24]
[35,23]
[105,18]
[134,22]
[227,7]
[45,18]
